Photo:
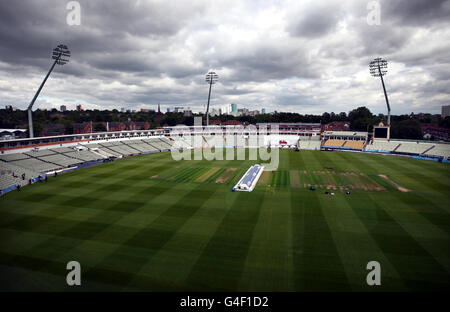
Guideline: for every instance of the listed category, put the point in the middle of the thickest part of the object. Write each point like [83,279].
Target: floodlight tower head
[61,54]
[378,68]
[211,77]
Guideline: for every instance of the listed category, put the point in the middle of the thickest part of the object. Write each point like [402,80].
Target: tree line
[361,119]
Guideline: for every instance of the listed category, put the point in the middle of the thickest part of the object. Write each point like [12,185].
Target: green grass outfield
[151,223]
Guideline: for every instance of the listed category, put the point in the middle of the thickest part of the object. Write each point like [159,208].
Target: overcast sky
[297,56]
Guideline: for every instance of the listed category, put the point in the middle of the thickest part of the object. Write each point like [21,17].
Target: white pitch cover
[249,179]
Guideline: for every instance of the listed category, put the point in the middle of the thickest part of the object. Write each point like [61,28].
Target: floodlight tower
[211,78]
[61,56]
[378,68]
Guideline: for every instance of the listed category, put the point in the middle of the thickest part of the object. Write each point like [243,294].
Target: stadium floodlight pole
[61,56]
[211,78]
[378,68]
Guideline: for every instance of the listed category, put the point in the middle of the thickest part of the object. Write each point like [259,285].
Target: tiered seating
[168,142]
[7,172]
[35,164]
[119,148]
[158,144]
[63,149]
[92,145]
[165,144]
[61,160]
[141,146]
[7,180]
[413,147]
[110,151]
[11,157]
[40,153]
[213,140]
[354,144]
[148,147]
[11,168]
[310,145]
[124,150]
[84,155]
[180,142]
[382,146]
[439,150]
[334,143]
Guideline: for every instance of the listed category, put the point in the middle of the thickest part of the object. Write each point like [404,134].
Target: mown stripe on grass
[149,238]
[221,263]
[265,178]
[216,174]
[280,178]
[89,275]
[407,170]
[161,229]
[82,230]
[427,209]
[317,264]
[225,177]
[416,266]
[189,175]
[236,175]
[355,246]
[294,179]
[206,174]
[356,162]
[382,182]
[269,265]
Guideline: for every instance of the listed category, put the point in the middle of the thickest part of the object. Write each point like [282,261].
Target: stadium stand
[382,146]
[440,150]
[13,169]
[12,175]
[35,164]
[141,146]
[10,157]
[103,150]
[310,145]
[214,140]
[7,180]
[39,153]
[413,147]
[83,155]
[61,160]
[62,150]
[181,142]
[157,143]
[334,143]
[168,142]
[92,145]
[359,145]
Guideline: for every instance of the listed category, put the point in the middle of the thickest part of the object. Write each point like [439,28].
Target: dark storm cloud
[316,21]
[138,53]
[30,29]
[417,12]
[264,61]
